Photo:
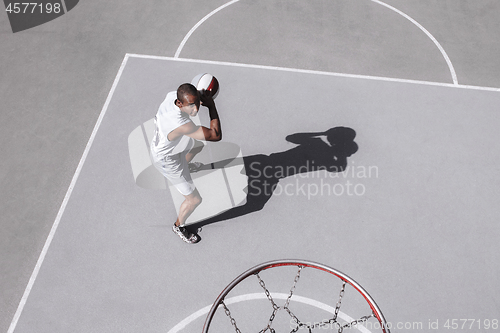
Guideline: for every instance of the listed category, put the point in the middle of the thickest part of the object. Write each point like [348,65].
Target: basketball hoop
[338,320]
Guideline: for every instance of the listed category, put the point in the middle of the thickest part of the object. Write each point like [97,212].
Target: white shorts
[175,168]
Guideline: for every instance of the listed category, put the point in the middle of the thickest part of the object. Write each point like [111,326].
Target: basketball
[208,82]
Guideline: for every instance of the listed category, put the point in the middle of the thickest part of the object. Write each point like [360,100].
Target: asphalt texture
[56,78]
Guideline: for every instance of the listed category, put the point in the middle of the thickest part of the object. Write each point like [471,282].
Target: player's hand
[206,98]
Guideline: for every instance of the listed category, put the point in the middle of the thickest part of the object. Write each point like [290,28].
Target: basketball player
[176,142]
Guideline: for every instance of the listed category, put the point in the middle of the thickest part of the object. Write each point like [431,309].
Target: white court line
[307,71]
[181,46]
[250,297]
[104,109]
[53,230]
[64,6]
[434,40]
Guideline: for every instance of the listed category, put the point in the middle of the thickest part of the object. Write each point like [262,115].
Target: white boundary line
[55,225]
[434,40]
[200,22]
[53,230]
[255,296]
[64,6]
[306,71]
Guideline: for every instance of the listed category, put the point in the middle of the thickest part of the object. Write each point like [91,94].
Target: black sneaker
[185,235]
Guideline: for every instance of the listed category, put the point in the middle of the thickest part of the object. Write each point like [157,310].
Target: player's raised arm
[214,133]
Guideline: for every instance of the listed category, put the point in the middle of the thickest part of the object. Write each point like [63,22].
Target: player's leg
[197,147]
[185,186]
[194,166]
[187,207]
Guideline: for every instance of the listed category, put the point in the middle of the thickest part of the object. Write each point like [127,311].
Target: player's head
[188,99]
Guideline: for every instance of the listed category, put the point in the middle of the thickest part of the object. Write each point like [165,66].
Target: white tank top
[168,118]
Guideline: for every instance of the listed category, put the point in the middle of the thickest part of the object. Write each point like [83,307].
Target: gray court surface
[421,237]
[416,226]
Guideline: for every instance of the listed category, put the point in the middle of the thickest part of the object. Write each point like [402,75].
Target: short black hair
[186,89]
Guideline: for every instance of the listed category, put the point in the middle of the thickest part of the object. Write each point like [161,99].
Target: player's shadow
[327,150]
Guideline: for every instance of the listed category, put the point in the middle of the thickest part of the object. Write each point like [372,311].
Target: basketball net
[339,321]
